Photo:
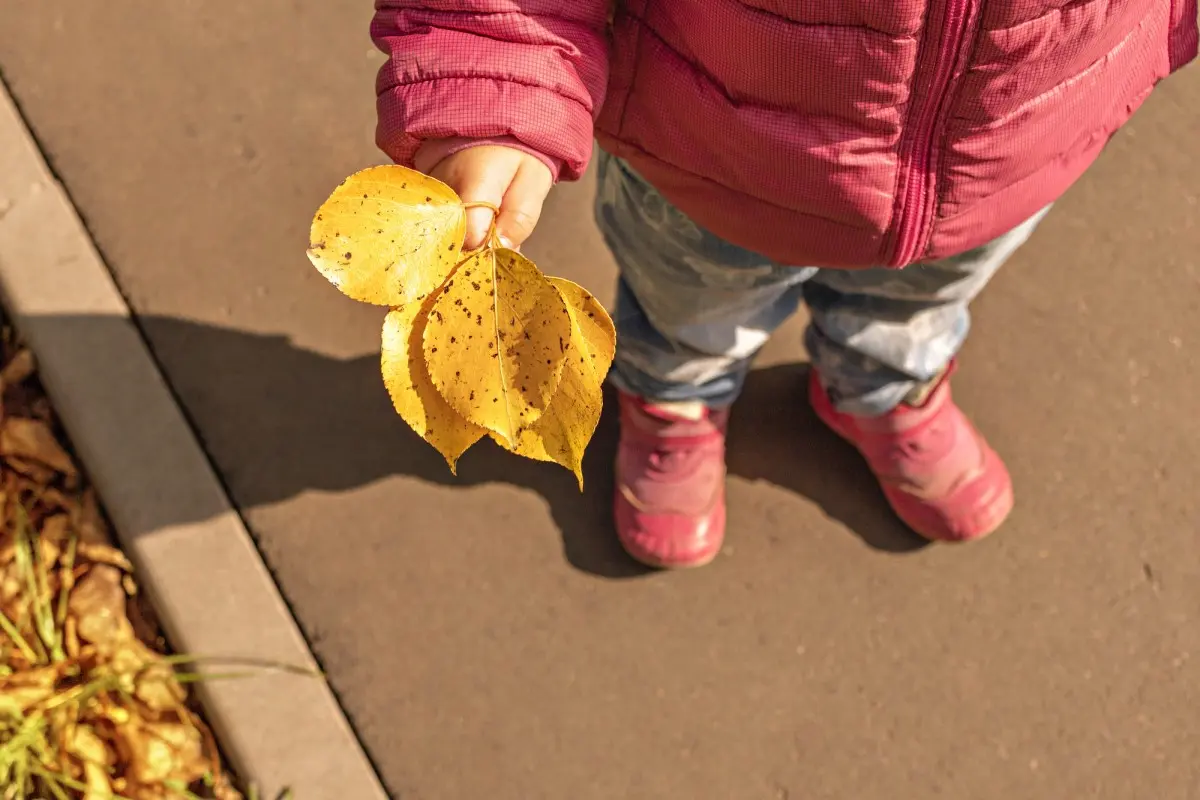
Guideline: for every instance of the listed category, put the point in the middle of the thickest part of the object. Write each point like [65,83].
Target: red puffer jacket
[843,133]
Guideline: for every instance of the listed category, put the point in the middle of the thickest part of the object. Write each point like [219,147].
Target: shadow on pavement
[279,420]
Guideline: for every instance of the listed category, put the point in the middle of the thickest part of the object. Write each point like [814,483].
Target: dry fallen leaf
[19,368]
[562,433]
[104,554]
[85,744]
[496,340]
[388,235]
[56,530]
[98,602]
[23,690]
[32,440]
[413,394]
[476,343]
[167,750]
[79,680]
[157,688]
[99,787]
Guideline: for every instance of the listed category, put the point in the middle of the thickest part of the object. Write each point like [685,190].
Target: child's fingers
[503,178]
[478,175]
[522,205]
[479,220]
[488,188]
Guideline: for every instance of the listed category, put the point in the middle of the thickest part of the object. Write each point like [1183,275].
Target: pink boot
[670,499]
[937,472]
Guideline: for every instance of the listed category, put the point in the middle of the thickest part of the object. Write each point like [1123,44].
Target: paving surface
[484,633]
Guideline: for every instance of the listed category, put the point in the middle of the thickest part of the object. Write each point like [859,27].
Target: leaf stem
[491,240]
[481,204]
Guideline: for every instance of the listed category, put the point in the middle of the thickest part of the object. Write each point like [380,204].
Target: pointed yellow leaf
[413,395]
[388,235]
[562,433]
[495,341]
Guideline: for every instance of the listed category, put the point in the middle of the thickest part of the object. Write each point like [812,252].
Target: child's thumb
[522,205]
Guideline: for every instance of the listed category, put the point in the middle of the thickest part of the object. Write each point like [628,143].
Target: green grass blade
[36,585]
[258,663]
[54,786]
[10,630]
[64,592]
[69,782]
[199,677]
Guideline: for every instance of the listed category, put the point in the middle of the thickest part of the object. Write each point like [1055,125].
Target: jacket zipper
[919,176]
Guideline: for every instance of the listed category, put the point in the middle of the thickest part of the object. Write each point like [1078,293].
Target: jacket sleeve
[527,72]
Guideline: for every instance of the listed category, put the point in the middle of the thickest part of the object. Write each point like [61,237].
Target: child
[759,153]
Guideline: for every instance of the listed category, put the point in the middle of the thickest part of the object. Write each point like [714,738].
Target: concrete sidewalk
[485,634]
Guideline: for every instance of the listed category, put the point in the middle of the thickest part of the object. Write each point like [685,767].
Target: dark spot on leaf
[348,255]
[472,397]
[491,345]
[478,319]
[427,199]
[434,350]
[451,248]
[453,340]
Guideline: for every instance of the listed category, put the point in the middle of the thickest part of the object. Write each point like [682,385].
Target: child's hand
[513,181]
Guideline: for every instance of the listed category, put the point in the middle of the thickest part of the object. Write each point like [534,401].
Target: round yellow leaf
[388,235]
[416,400]
[591,322]
[563,432]
[495,341]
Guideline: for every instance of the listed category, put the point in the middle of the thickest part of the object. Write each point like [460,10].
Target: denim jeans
[693,309]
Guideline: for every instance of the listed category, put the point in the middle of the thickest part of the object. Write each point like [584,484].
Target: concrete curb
[206,578]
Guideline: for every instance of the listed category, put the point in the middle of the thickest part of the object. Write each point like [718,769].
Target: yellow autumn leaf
[495,341]
[562,433]
[388,235]
[416,400]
